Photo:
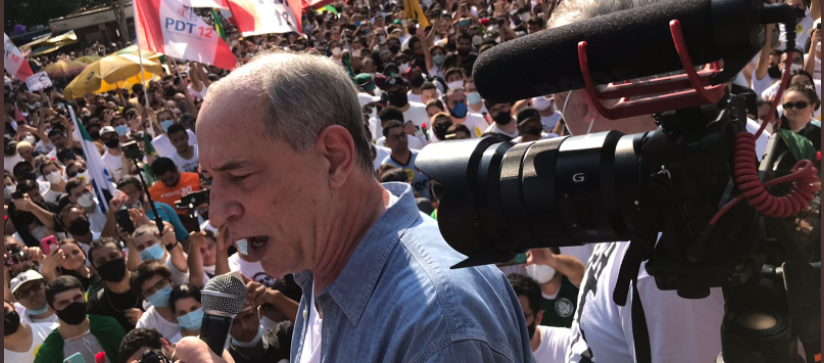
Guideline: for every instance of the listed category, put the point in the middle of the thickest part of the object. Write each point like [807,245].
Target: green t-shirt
[560,311]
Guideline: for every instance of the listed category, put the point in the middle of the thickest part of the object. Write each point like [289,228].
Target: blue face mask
[243,247]
[473,98]
[459,111]
[122,130]
[438,59]
[155,252]
[165,125]
[191,321]
[44,310]
[251,344]
[161,298]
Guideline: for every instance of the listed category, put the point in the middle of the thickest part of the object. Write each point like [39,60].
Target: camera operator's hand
[125,237]
[133,315]
[139,217]
[167,237]
[196,240]
[194,350]
[25,204]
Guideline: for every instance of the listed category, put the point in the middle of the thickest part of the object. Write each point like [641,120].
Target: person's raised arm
[569,266]
[115,205]
[815,11]
[196,240]
[809,64]
[764,58]
[222,255]
[26,205]
[155,123]
[175,248]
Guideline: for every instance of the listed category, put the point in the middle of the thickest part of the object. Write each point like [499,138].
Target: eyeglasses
[157,287]
[22,293]
[79,171]
[799,105]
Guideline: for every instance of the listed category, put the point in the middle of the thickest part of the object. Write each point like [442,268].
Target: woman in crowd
[185,304]
[800,102]
[69,260]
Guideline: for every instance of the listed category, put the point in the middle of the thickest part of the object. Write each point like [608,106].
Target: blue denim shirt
[397,300]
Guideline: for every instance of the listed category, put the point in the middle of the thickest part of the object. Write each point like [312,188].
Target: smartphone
[48,244]
[76,358]
[124,221]
[17,195]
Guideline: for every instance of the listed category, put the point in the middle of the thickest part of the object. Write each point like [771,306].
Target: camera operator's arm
[222,255]
[196,240]
[569,266]
[764,58]
[175,248]
[809,64]
[44,216]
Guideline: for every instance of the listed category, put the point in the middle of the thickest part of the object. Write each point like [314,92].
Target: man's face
[170,179]
[134,193]
[180,140]
[105,254]
[77,192]
[368,66]
[26,153]
[456,98]
[246,325]
[531,316]
[145,241]
[578,115]
[71,216]
[801,80]
[58,141]
[32,295]
[429,95]
[66,298]
[464,45]
[277,204]
[153,285]
[396,140]
[797,60]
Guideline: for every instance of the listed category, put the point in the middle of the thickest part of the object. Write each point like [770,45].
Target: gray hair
[144,230]
[307,94]
[573,11]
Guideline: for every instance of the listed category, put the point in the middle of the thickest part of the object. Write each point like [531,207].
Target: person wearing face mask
[530,126]
[412,111]
[185,304]
[153,282]
[503,122]
[21,339]
[812,61]
[115,298]
[474,100]
[456,103]
[767,71]
[113,157]
[559,277]
[548,344]
[78,193]
[416,82]
[546,108]
[29,213]
[252,343]
[150,245]
[161,124]
[798,61]
[53,174]
[140,209]
[804,23]
[29,290]
[78,332]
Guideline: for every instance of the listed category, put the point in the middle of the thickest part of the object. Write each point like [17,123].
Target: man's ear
[338,148]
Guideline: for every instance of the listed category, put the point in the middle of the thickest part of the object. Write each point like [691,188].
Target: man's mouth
[256,246]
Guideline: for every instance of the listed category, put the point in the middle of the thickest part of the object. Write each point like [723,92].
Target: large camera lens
[503,198]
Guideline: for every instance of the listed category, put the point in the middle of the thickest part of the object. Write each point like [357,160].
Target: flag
[255,17]
[14,61]
[218,25]
[169,27]
[150,151]
[412,10]
[101,180]
[205,4]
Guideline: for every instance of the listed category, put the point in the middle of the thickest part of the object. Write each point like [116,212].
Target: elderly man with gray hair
[283,138]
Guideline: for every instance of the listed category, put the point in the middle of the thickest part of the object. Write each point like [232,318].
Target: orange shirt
[189,183]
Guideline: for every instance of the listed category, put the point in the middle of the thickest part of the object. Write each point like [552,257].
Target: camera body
[132,150]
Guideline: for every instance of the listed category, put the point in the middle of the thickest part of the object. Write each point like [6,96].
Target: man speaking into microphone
[295,179]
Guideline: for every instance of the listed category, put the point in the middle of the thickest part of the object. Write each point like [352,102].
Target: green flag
[218,25]
[151,178]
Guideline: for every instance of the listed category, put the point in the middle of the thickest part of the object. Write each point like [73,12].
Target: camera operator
[141,340]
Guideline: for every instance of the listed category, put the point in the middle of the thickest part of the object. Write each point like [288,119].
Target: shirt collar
[353,288]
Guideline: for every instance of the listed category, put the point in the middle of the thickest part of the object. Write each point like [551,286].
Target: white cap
[366,99]
[23,278]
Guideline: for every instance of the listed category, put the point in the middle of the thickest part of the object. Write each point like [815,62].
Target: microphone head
[224,294]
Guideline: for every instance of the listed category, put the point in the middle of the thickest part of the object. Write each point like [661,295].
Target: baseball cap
[528,114]
[395,81]
[365,99]
[23,278]
[390,69]
[364,81]
[107,130]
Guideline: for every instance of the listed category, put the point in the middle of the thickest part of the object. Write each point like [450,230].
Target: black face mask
[503,118]
[11,323]
[463,53]
[418,82]
[394,48]
[95,135]
[536,131]
[74,314]
[113,271]
[80,227]
[398,98]
[113,143]
[774,72]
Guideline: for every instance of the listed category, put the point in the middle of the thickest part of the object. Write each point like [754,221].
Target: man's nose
[222,207]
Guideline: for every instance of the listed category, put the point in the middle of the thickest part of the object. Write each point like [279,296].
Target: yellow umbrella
[110,73]
[88,59]
[64,68]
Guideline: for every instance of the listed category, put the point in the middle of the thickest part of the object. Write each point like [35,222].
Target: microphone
[624,45]
[223,298]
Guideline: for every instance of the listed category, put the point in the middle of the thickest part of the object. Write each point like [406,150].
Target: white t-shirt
[39,334]
[114,164]
[554,344]
[582,253]
[252,270]
[476,125]
[186,165]
[417,114]
[802,33]
[383,153]
[414,143]
[43,147]
[310,352]
[549,122]
[414,98]
[51,196]
[164,146]
[762,141]
[680,330]
[760,86]
[178,276]
[25,318]
[497,130]
[10,161]
[152,319]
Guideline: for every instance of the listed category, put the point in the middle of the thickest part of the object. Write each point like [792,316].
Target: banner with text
[255,17]
[14,62]
[205,4]
[171,28]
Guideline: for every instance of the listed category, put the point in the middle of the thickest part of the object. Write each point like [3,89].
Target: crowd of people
[94,276]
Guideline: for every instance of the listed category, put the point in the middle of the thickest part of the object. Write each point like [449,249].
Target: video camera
[688,195]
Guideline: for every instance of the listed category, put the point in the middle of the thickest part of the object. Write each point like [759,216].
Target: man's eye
[239,178]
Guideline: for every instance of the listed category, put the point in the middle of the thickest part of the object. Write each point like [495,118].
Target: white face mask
[796,67]
[403,68]
[336,51]
[54,178]
[30,139]
[86,201]
[456,84]
[540,273]
[85,176]
[9,190]
[541,103]
[525,17]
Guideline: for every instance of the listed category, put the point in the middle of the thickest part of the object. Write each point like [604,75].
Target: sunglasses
[22,293]
[799,105]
